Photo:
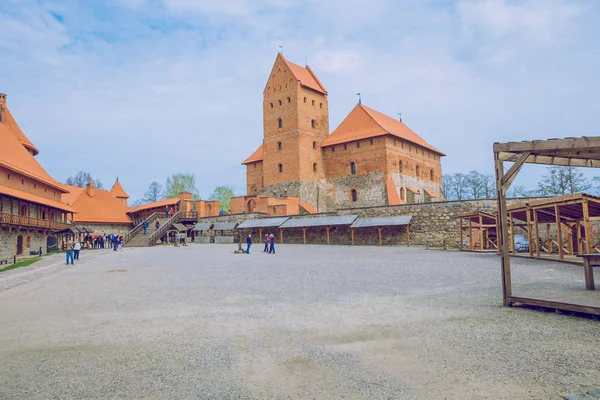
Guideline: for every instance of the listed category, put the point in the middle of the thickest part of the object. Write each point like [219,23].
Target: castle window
[254,165]
[434,157]
[400,166]
[22,181]
[422,152]
[357,145]
[280,123]
[289,100]
[280,166]
[402,143]
[354,195]
[313,102]
[418,171]
[402,194]
[45,190]
[371,141]
[312,123]
[320,105]
[271,105]
[315,167]
[314,145]
[353,168]
[8,175]
[34,186]
[279,102]
[333,149]
[28,242]
[345,146]
[278,145]
[305,99]
[431,175]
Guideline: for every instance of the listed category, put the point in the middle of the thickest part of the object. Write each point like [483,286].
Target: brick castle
[370,159]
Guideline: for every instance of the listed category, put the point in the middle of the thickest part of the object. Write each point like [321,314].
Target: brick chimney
[90,189]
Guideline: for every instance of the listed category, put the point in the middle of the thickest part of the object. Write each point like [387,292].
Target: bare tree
[488,186]
[82,179]
[520,191]
[454,186]
[559,181]
[474,184]
[154,193]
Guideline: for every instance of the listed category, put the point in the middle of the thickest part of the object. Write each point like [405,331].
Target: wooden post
[408,234]
[461,234]
[511,232]
[352,233]
[549,239]
[589,274]
[280,236]
[502,230]
[304,234]
[328,228]
[480,233]
[587,227]
[260,233]
[529,232]
[559,233]
[578,236]
[570,237]
[537,233]
[470,234]
[380,239]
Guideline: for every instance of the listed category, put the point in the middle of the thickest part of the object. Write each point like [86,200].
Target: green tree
[82,179]
[223,194]
[179,183]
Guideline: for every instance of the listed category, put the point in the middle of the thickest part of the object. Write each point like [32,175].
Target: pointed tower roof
[12,126]
[364,123]
[118,191]
[14,156]
[304,75]
[256,156]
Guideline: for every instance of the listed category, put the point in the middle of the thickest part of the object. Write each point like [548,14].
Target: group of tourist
[103,241]
[269,244]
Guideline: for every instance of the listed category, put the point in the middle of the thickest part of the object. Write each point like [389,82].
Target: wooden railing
[164,228]
[140,226]
[30,221]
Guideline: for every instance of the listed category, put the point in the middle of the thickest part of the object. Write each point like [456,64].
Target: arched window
[320,105]
[353,168]
[418,171]
[305,99]
[278,145]
[354,195]
[431,175]
[274,210]
[400,166]
[402,194]
[314,145]
[332,149]
[315,167]
[280,166]
[280,123]
[279,102]
[28,242]
[289,100]
[271,105]
[312,123]
[313,102]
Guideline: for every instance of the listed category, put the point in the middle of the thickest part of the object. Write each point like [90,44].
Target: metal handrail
[30,221]
[139,227]
[163,228]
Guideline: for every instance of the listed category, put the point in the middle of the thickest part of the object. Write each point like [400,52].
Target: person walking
[157,225]
[248,243]
[167,210]
[76,250]
[171,212]
[115,242]
[266,250]
[69,252]
[145,224]
[272,244]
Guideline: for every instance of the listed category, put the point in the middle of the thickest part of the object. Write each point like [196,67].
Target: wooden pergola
[555,227]
[575,152]
[484,225]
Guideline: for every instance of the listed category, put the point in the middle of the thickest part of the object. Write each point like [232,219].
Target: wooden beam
[470,235]
[352,233]
[379,228]
[502,231]
[461,234]
[548,239]
[537,233]
[408,234]
[510,175]
[561,254]
[304,234]
[328,239]
[588,228]
[480,233]
[578,236]
[529,233]
[512,234]
[280,235]
[580,143]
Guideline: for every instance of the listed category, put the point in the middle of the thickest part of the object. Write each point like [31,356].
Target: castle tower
[118,191]
[296,122]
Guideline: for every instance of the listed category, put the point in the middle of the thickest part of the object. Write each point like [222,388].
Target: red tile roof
[12,126]
[103,207]
[15,157]
[310,209]
[118,191]
[430,192]
[154,204]
[364,123]
[305,76]
[256,156]
[392,193]
[34,198]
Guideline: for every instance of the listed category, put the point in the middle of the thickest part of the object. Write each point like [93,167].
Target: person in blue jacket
[248,243]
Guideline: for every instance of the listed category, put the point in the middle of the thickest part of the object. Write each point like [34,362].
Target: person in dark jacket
[248,243]
[266,243]
[272,244]
[145,224]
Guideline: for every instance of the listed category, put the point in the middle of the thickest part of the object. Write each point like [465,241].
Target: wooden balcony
[30,222]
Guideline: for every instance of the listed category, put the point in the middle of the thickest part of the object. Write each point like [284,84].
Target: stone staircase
[136,237]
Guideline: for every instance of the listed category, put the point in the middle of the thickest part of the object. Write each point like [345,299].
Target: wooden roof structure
[485,226]
[574,152]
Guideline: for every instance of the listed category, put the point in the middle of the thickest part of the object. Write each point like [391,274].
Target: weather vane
[281,49]
[400,116]
[359,100]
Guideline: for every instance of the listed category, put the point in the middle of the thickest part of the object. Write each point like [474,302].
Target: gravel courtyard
[311,322]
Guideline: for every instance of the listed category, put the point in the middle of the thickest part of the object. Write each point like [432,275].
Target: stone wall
[8,243]
[117,229]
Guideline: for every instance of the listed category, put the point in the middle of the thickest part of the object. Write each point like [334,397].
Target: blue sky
[141,89]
